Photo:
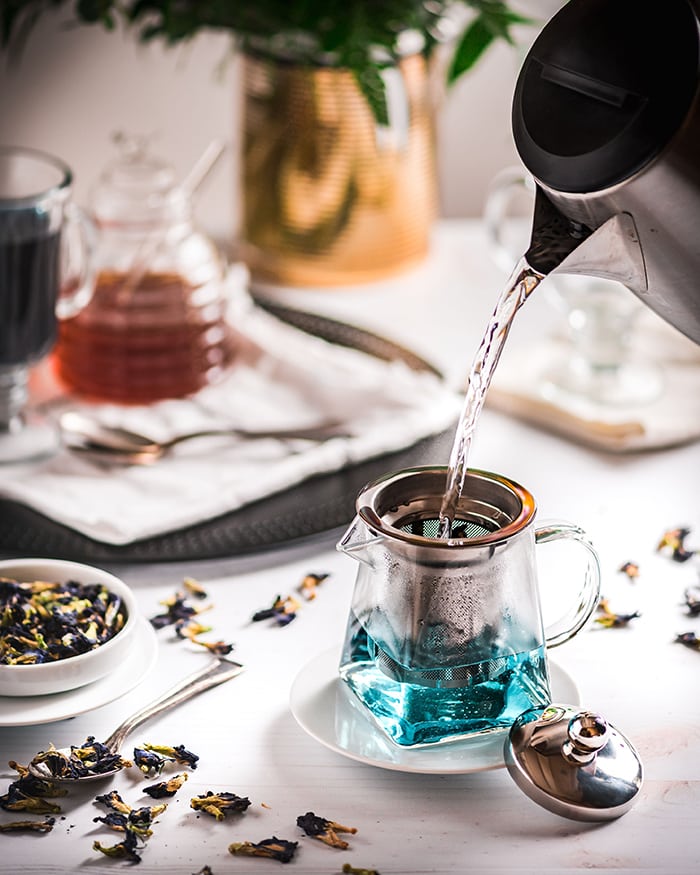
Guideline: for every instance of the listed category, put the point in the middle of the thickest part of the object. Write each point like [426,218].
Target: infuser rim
[368,513]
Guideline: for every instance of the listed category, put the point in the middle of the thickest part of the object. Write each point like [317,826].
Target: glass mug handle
[77,274]
[503,189]
[571,622]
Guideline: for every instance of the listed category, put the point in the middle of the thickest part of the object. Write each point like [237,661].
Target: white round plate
[328,711]
[33,710]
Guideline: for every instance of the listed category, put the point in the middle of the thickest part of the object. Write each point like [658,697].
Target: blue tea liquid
[412,714]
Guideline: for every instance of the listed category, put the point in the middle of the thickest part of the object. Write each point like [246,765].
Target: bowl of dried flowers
[62,625]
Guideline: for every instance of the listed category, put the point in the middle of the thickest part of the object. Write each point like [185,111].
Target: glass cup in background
[46,274]
[596,361]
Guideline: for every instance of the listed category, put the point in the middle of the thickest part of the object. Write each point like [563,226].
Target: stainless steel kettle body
[606,117]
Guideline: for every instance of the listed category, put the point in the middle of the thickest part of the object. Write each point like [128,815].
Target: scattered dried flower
[692,600]
[674,539]
[29,825]
[611,620]
[274,848]
[324,830]
[166,788]
[17,799]
[282,611]
[352,870]
[126,849]
[194,588]
[690,639]
[309,585]
[218,805]
[149,762]
[114,801]
[178,609]
[631,569]
[178,754]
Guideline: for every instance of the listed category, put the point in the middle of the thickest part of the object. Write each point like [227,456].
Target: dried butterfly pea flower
[324,830]
[126,849]
[191,630]
[30,785]
[692,600]
[218,648]
[194,588]
[178,610]
[179,753]
[44,622]
[166,788]
[273,848]
[135,823]
[310,583]
[674,539]
[611,620]
[16,799]
[205,870]
[631,569]
[114,801]
[29,825]
[282,611]
[149,762]
[352,870]
[689,639]
[90,758]
[218,805]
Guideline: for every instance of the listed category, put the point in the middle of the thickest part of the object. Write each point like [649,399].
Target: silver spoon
[123,446]
[216,672]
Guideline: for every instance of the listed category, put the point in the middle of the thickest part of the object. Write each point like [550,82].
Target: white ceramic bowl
[74,671]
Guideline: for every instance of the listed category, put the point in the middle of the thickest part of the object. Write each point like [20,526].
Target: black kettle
[606,118]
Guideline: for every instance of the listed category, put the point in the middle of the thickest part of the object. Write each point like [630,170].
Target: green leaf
[371,85]
[474,42]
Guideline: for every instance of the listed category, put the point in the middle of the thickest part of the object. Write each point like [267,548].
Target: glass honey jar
[156,325]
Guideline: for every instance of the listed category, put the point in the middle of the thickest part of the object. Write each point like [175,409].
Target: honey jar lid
[573,763]
[138,188]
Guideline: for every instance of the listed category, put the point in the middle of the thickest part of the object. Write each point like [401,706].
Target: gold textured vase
[329,196]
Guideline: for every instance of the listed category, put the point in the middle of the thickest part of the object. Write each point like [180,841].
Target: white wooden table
[249,742]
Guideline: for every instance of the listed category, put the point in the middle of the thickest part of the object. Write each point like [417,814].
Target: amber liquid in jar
[161,339]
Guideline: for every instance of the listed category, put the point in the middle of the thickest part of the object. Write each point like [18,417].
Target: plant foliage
[361,35]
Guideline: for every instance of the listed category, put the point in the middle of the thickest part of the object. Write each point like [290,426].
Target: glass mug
[445,638]
[46,272]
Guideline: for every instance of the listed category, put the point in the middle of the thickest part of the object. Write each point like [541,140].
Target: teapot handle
[587,597]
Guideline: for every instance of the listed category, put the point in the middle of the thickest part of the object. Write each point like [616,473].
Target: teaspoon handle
[214,673]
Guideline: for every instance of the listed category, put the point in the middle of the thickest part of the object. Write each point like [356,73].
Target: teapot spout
[357,540]
[610,251]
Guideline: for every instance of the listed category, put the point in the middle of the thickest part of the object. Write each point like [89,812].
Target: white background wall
[74,86]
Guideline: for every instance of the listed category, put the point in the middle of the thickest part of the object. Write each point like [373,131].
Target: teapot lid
[573,763]
[137,188]
[603,90]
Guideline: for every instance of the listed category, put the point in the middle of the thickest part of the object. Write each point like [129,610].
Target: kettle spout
[358,538]
[610,251]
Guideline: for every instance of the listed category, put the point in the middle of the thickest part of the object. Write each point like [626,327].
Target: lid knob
[573,763]
[588,733]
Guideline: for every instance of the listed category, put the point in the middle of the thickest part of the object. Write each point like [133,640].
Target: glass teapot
[156,326]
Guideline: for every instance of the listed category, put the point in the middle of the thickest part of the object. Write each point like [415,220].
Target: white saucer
[329,712]
[33,710]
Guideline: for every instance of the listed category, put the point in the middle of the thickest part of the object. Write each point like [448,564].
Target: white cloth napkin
[284,378]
